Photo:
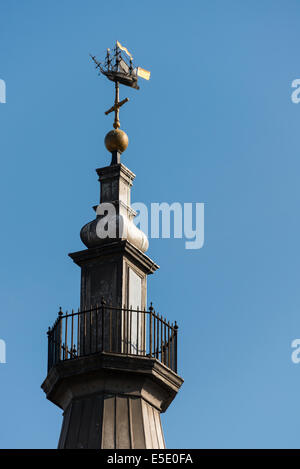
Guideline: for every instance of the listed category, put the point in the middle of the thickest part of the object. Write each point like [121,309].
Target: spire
[112,365]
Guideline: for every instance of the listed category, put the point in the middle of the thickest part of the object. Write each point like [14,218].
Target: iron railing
[105,328]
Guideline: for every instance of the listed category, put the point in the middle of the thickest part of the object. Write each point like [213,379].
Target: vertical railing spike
[144,330]
[130,330]
[78,334]
[168,344]
[123,329]
[175,346]
[150,332]
[66,336]
[72,331]
[138,330]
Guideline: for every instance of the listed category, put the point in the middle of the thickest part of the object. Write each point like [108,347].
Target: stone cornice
[116,247]
[109,372]
[117,170]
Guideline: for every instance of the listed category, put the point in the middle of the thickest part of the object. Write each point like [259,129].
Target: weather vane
[119,69]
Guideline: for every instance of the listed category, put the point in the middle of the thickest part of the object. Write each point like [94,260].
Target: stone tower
[112,365]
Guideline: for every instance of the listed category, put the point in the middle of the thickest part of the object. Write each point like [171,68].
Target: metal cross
[116,107]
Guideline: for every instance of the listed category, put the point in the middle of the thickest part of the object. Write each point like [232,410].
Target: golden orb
[116,140]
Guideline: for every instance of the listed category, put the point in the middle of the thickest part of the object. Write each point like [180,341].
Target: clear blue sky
[215,124]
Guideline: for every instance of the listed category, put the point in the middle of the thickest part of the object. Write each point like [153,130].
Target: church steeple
[112,365]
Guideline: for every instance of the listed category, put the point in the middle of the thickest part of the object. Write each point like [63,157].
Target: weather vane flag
[124,49]
[119,69]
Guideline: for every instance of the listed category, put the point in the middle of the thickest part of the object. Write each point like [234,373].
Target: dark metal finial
[151,307]
[60,313]
[115,157]
[103,302]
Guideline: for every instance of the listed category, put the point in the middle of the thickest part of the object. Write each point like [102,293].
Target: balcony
[105,328]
